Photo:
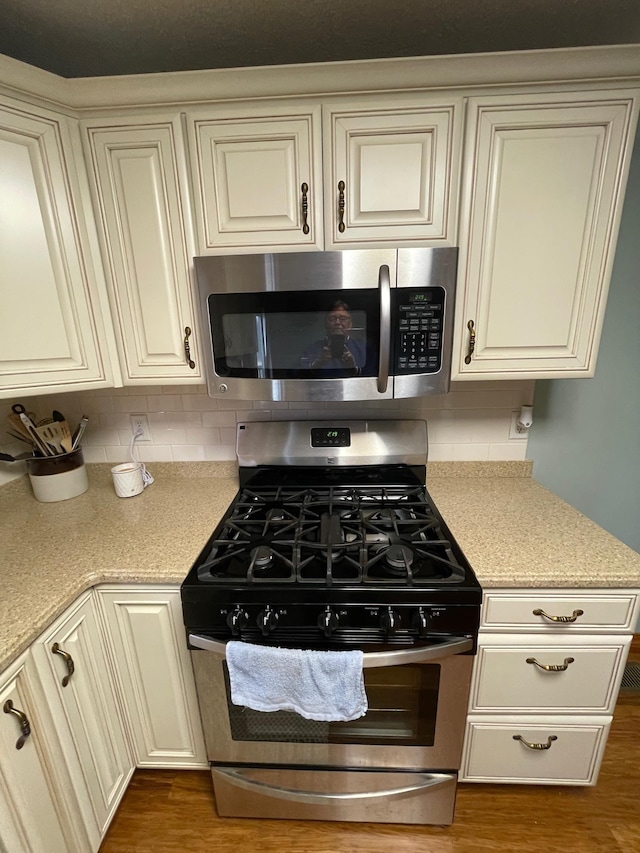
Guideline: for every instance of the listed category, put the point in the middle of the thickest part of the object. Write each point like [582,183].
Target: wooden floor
[175,811]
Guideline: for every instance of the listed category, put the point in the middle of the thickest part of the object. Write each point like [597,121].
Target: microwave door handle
[384,286]
[422,654]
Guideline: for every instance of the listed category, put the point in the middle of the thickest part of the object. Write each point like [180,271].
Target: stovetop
[332,554]
[380,535]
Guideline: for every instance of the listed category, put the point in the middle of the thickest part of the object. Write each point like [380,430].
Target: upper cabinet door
[51,328]
[391,172]
[140,196]
[541,207]
[257,179]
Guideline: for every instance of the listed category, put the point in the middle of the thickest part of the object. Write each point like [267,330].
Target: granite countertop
[515,534]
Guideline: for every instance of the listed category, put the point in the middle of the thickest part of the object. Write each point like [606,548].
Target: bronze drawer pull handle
[25,728]
[187,348]
[552,667]
[472,341]
[572,618]
[526,743]
[305,208]
[71,667]
[341,188]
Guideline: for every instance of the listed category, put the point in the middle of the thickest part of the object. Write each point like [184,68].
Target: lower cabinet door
[534,751]
[153,666]
[32,818]
[74,672]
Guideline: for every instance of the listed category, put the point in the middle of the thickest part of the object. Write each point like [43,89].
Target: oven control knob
[236,620]
[421,622]
[389,620]
[328,621]
[267,621]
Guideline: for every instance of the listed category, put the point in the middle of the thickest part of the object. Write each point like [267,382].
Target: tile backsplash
[472,422]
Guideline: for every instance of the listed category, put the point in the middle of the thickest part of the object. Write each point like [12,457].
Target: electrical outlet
[516,431]
[141,422]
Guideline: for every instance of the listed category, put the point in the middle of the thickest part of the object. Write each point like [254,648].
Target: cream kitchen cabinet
[139,190]
[149,650]
[379,171]
[76,677]
[545,180]
[509,749]
[257,178]
[36,805]
[391,171]
[545,683]
[55,332]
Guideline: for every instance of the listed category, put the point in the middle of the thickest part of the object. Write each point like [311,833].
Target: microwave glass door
[295,335]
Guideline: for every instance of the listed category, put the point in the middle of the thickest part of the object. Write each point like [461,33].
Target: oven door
[416,718]
[301,326]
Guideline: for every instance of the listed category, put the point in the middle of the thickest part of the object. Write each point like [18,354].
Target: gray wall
[585,440]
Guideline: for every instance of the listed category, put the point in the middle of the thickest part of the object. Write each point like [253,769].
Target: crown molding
[20,80]
[606,64]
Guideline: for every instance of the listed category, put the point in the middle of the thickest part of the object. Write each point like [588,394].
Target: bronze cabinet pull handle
[572,618]
[552,667]
[56,650]
[305,208]
[472,341]
[187,348]
[526,743]
[25,728]
[341,188]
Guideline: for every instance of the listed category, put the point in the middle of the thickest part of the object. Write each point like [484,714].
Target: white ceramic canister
[58,478]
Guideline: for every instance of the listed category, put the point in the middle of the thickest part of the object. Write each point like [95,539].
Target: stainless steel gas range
[334,543]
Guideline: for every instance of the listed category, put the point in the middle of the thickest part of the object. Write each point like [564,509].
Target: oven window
[403,702]
[295,335]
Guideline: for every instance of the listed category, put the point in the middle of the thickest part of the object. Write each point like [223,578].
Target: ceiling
[88,38]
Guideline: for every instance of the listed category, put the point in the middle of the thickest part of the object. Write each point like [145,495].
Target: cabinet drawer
[600,611]
[507,678]
[492,754]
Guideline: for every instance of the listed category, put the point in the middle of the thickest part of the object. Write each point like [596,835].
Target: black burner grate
[334,535]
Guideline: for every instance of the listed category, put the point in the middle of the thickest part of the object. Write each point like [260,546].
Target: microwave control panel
[417,332]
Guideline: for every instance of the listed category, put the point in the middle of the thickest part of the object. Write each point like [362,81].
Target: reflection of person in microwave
[338,350]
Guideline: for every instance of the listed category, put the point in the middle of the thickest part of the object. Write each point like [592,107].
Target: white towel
[317,685]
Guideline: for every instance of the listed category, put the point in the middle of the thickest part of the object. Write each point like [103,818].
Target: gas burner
[388,516]
[261,557]
[399,559]
[276,513]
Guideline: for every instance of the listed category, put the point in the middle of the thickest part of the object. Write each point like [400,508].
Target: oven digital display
[330,437]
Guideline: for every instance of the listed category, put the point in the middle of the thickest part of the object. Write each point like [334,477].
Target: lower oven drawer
[534,751]
[421,798]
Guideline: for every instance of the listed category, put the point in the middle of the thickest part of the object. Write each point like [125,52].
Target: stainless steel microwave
[351,325]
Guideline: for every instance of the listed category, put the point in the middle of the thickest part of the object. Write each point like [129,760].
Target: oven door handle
[424,654]
[238,778]
[384,286]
